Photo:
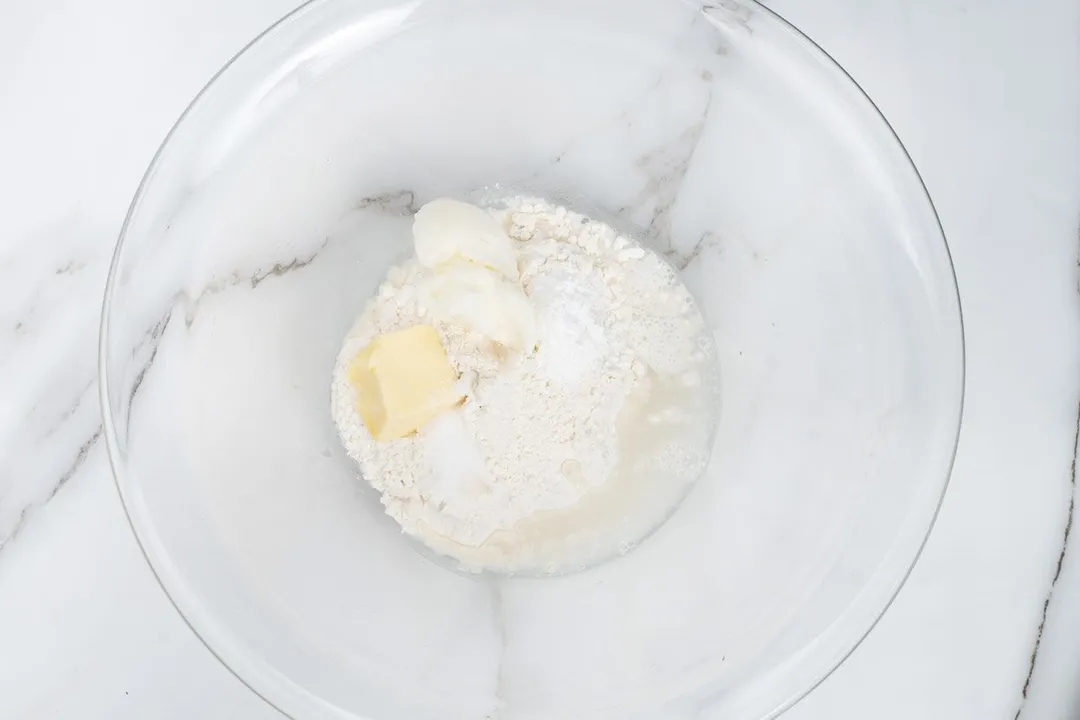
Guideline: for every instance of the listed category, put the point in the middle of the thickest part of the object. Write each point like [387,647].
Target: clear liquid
[664,437]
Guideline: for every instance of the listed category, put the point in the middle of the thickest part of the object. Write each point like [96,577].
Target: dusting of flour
[622,362]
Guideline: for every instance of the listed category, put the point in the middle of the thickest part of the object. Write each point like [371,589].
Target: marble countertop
[986,97]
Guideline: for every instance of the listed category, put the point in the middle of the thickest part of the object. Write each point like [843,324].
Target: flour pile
[621,366]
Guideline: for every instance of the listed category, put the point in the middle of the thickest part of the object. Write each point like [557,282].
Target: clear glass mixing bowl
[734,145]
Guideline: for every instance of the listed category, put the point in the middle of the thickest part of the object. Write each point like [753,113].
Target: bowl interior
[728,142]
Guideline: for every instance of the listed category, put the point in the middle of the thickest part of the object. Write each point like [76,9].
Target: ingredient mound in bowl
[531,392]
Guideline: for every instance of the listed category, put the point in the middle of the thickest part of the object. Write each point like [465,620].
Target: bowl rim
[113,445]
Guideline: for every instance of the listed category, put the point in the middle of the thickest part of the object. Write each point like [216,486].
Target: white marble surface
[986,98]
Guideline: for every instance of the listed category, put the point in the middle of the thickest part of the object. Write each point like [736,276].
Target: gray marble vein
[399,202]
[1065,543]
[1057,571]
[148,345]
[665,168]
[49,358]
[59,437]
[683,259]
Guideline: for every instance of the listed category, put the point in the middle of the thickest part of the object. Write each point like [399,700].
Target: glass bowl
[732,144]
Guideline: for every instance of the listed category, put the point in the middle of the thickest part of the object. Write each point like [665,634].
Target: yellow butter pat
[402,380]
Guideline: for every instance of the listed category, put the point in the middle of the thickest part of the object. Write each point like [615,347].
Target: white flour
[537,433]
